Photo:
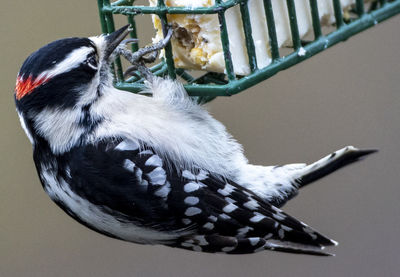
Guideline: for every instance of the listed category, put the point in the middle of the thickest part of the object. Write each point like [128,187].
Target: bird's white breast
[183,132]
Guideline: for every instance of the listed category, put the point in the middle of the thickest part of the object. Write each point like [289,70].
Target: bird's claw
[131,71]
[128,41]
[149,58]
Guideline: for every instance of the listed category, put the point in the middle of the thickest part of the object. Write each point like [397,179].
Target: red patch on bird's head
[25,86]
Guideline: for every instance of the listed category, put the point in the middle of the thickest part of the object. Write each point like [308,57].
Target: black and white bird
[154,169]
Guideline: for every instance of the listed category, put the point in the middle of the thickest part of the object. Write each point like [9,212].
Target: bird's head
[57,83]
[66,72]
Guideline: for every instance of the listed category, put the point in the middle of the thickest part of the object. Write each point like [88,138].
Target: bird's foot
[143,56]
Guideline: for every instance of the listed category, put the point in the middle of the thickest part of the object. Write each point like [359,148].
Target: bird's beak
[114,39]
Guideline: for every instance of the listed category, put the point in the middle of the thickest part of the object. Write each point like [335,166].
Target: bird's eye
[92,62]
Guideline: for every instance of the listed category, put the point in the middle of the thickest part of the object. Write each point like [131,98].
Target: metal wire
[213,84]
[251,50]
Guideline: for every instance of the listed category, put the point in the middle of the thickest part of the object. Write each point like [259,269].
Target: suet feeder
[364,14]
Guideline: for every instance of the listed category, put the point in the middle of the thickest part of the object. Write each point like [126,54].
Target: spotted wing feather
[134,184]
[235,221]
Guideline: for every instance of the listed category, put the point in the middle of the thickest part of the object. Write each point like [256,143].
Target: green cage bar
[273,41]
[337,7]
[251,51]
[225,44]
[315,18]
[360,7]
[211,85]
[293,24]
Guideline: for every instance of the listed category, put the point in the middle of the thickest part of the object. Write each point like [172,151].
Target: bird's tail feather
[296,248]
[330,163]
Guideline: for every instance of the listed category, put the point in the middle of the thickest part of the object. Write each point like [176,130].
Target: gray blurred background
[348,94]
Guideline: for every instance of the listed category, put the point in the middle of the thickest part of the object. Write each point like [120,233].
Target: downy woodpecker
[155,169]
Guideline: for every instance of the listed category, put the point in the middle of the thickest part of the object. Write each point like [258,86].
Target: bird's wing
[129,179]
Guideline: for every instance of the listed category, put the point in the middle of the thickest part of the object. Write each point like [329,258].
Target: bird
[154,167]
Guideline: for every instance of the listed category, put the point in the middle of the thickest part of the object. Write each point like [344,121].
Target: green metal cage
[210,84]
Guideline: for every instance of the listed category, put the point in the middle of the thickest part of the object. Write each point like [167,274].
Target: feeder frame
[211,84]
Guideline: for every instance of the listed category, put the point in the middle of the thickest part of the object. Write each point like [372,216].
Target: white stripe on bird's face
[71,61]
